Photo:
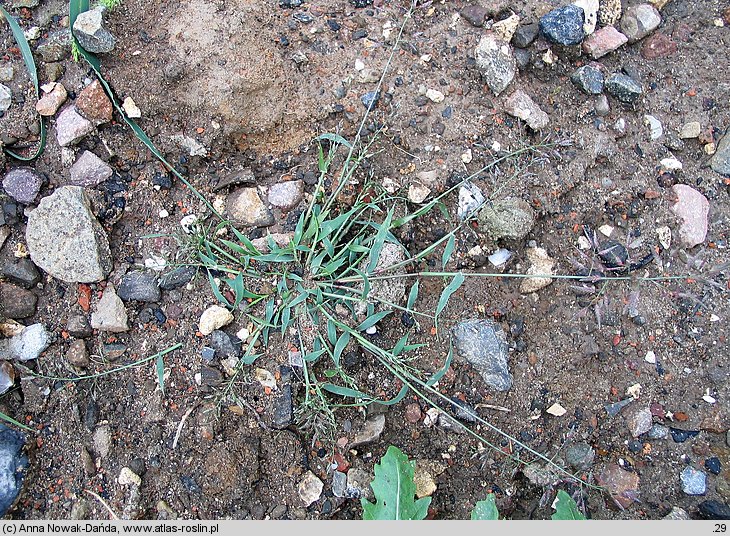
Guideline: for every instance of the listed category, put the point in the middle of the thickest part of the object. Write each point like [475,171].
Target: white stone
[590,9]
[655,127]
[557,410]
[690,130]
[500,257]
[131,109]
[664,234]
[467,156]
[214,317]
[418,193]
[650,357]
[540,265]
[265,378]
[671,164]
[435,95]
[127,477]
[506,28]
[309,488]
[605,230]
[584,243]
[6,98]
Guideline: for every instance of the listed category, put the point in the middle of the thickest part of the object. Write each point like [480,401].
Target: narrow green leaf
[412,295]
[448,291]
[313,355]
[160,366]
[448,250]
[485,510]
[440,372]
[372,320]
[400,396]
[565,508]
[331,331]
[285,319]
[216,291]
[335,138]
[379,240]
[344,391]
[395,490]
[365,284]
[12,421]
[340,346]
[27,55]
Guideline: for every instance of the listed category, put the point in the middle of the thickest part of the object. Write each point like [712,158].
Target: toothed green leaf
[485,510]
[395,490]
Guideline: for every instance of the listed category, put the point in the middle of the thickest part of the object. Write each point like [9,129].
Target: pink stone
[692,208]
[622,485]
[658,46]
[603,41]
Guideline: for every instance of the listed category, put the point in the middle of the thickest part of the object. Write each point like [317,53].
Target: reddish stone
[651,194]
[342,464]
[716,422]
[603,41]
[93,104]
[657,410]
[726,16]
[413,413]
[622,485]
[658,46]
[681,416]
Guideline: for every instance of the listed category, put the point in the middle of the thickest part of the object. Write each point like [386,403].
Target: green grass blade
[340,347]
[160,367]
[335,138]
[381,235]
[344,391]
[448,250]
[448,291]
[27,55]
[440,373]
[12,421]
[372,320]
[412,295]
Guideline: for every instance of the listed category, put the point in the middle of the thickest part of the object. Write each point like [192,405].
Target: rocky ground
[623,382]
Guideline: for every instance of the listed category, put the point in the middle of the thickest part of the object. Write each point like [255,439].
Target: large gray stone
[110,314]
[89,170]
[90,32]
[26,345]
[720,161]
[496,62]
[65,239]
[13,465]
[245,207]
[639,21]
[512,219]
[484,344]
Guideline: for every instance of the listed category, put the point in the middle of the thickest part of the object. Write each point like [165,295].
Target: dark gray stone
[580,456]
[91,34]
[23,184]
[179,277]
[16,302]
[589,79]
[720,161]
[370,99]
[23,272]
[564,25]
[714,510]
[56,47]
[223,345]
[78,326]
[658,431]
[523,57]
[525,34]
[474,15]
[624,88]
[139,286]
[13,464]
[483,343]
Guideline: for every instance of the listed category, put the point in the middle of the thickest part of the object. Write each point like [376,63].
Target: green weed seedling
[395,491]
